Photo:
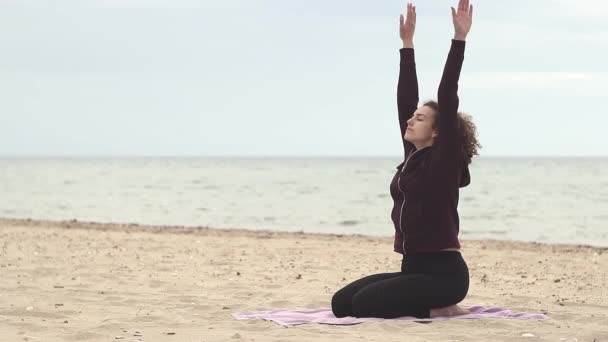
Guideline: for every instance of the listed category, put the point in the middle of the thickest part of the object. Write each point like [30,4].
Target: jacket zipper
[402,193]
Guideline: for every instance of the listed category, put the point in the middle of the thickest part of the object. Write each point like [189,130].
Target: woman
[438,145]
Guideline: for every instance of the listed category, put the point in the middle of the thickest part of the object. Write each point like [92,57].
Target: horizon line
[120,156]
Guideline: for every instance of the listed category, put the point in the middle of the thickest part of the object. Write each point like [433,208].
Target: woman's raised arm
[407,87]
[449,145]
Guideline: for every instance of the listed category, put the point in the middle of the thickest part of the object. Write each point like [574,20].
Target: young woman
[438,143]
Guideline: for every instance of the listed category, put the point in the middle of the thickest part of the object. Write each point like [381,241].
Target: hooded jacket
[425,188]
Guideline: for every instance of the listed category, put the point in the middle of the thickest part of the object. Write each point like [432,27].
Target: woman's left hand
[463,18]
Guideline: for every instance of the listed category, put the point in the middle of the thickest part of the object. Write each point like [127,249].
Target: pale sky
[297,78]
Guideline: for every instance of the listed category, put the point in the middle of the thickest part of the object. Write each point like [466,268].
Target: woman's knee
[341,304]
[361,305]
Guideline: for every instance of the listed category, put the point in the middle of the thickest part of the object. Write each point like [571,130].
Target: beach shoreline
[206,230]
[74,280]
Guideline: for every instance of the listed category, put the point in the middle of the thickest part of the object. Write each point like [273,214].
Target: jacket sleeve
[447,154]
[407,94]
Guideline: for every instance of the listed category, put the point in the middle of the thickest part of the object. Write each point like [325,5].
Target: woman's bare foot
[452,310]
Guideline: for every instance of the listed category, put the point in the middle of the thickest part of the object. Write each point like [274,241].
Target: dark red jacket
[426,185]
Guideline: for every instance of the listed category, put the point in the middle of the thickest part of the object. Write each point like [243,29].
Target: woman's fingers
[414,14]
[409,15]
[464,5]
[407,23]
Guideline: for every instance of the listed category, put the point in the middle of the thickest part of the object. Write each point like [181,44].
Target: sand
[77,281]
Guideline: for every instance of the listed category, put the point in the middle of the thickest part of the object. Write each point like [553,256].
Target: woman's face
[420,131]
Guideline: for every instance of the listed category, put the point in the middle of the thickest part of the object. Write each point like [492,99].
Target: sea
[541,199]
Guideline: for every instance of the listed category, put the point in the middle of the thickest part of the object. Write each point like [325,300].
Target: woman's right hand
[407,27]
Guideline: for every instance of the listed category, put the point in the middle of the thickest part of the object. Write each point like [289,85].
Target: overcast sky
[265,78]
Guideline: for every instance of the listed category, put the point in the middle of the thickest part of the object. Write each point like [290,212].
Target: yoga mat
[325,316]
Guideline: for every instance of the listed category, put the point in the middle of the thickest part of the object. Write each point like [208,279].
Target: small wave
[497,232]
[349,222]
[483,232]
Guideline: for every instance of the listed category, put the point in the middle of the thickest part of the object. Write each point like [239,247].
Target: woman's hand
[407,28]
[463,18]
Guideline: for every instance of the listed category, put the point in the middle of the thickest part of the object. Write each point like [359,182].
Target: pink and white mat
[325,316]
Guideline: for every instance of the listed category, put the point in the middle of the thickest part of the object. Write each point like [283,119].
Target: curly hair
[467,132]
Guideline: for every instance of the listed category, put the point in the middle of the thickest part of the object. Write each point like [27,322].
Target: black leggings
[426,280]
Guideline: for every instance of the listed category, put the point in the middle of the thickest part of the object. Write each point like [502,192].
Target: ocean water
[555,200]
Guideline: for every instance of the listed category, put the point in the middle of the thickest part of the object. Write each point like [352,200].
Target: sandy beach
[78,281]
